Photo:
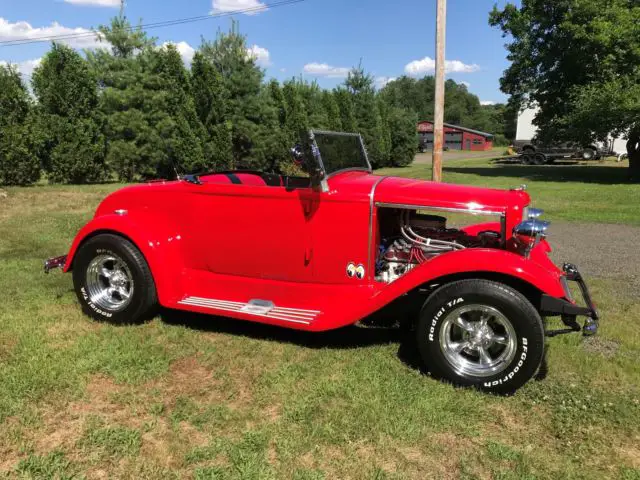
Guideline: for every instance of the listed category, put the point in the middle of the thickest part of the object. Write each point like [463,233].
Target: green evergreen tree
[134,146]
[19,163]
[67,93]
[344,101]
[172,114]
[367,114]
[277,96]
[334,120]
[251,112]
[210,98]
[385,132]
[297,118]
[311,95]
[403,136]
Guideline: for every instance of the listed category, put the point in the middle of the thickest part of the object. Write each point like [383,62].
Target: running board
[259,308]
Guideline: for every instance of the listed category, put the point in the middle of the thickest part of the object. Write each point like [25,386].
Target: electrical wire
[149,26]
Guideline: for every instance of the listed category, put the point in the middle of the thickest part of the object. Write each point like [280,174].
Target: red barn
[455,137]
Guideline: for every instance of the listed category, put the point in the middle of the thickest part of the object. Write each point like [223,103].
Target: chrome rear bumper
[55,262]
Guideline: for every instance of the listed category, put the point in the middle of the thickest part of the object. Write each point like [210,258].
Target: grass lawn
[200,397]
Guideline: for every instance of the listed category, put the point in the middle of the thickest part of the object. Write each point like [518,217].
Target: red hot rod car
[326,250]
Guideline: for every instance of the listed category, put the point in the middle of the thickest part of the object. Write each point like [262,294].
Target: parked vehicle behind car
[326,250]
[535,153]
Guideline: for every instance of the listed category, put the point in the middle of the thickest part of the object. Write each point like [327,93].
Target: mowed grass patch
[190,396]
[572,192]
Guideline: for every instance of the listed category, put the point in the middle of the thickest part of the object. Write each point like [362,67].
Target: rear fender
[538,271]
[157,239]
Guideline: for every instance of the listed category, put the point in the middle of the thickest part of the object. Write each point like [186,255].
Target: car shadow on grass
[376,330]
[561,172]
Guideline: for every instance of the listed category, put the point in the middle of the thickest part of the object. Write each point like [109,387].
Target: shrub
[19,164]
[78,155]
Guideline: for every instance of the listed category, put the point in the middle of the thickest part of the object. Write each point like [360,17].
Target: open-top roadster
[326,250]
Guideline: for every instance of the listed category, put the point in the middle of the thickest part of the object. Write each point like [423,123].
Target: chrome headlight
[533,213]
[528,233]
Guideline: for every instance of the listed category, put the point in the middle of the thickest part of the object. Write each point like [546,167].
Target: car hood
[408,191]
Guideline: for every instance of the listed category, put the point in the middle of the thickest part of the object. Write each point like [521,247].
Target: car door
[254,231]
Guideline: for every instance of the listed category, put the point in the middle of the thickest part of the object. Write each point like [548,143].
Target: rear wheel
[539,159]
[112,280]
[527,159]
[588,154]
[481,334]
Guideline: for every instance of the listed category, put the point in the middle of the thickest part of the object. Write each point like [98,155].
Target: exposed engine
[415,238]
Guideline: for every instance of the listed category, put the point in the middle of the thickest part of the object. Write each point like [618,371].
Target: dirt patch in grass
[187,376]
[7,344]
[64,332]
[438,458]
[174,414]
[601,346]
[64,425]
[630,453]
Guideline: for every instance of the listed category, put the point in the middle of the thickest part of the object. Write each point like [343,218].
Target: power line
[148,26]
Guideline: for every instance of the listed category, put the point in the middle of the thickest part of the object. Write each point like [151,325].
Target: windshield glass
[341,150]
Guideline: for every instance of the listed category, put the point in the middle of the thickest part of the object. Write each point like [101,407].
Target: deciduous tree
[577,60]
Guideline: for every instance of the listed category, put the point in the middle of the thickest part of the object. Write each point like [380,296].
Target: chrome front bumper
[552,306]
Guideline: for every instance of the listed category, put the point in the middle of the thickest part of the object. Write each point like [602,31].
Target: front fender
[537,271]
[157,239]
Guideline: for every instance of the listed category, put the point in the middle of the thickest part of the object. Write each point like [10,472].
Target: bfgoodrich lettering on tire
[112,280]
[481,334]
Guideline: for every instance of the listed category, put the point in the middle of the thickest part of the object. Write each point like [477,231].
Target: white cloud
[428,65]
[26,67]
[95,3]
[24,31]
[283,70]
[325,70]
[487,102]
[185,50]
[260,54]
[222,6]
[466,84]
[381,82]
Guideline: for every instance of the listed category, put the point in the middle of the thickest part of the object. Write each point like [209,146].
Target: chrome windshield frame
[317,154]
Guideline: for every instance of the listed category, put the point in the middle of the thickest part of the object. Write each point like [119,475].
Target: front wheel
[481,334]
[112,280]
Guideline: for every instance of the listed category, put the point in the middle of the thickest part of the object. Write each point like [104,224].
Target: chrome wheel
[478,340]
[109,283]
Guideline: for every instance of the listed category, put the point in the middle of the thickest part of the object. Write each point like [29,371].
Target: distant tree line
[134,111]
[461,107]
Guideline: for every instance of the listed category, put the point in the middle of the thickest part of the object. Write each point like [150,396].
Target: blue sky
[319,39]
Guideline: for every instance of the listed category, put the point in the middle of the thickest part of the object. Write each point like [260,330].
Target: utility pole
[438,116]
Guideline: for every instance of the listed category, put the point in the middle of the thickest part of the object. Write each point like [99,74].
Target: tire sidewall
[529,332]
[588,154]
[109,245]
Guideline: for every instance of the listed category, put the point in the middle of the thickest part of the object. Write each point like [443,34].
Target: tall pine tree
[256,142]
[19,164]
[210,97]
[67,93]
[367,115]
[134,147]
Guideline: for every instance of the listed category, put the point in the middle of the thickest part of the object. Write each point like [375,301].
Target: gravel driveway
[599,250]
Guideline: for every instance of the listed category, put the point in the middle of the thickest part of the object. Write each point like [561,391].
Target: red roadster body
[315,253]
